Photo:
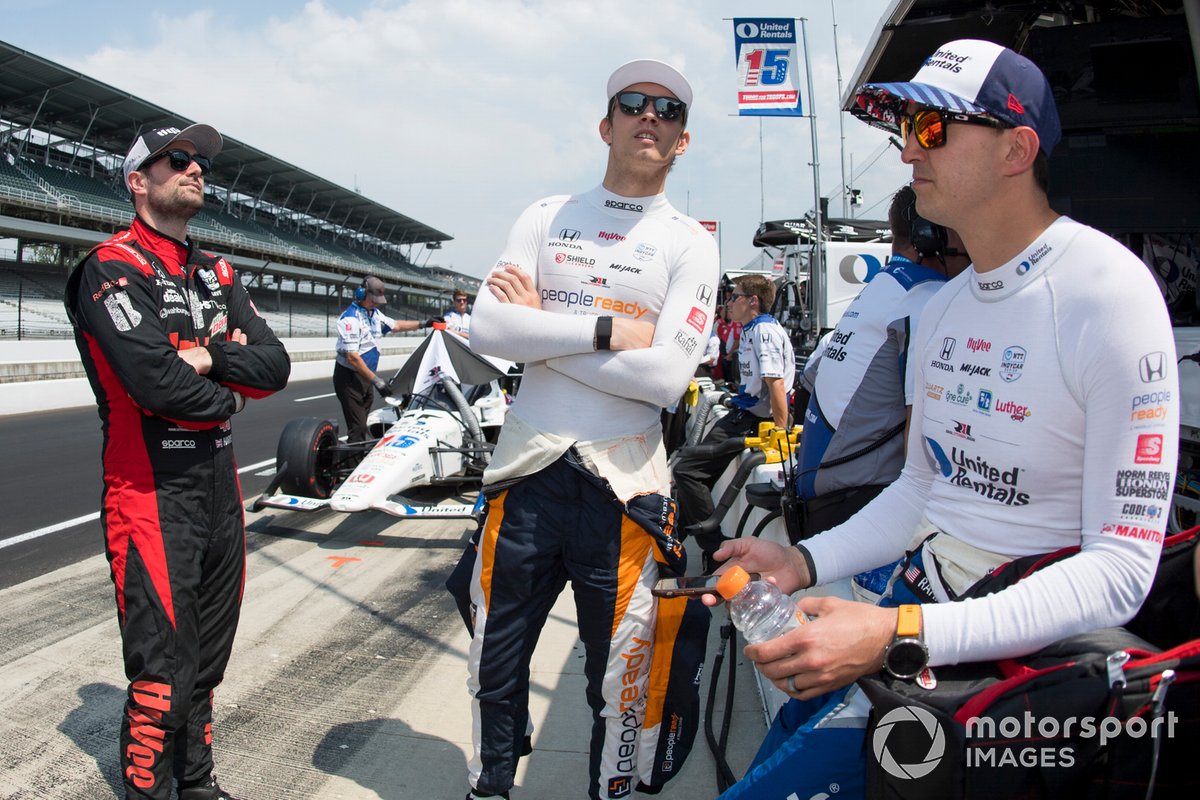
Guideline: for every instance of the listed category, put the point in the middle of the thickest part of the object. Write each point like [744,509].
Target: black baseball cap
[147,145]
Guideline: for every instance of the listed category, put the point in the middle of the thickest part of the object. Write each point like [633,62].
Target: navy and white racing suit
[581,447]
[171,508]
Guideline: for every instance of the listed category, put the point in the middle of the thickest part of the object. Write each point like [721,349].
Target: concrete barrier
[43,375]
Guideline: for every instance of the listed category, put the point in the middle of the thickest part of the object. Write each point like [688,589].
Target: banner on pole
[766,64]
[710,225]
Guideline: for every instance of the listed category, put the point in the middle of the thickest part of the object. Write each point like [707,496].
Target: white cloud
[459,113]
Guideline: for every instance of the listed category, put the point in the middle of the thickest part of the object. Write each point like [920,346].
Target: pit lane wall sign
[767,67]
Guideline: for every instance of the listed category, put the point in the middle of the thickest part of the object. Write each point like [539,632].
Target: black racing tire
[305,457]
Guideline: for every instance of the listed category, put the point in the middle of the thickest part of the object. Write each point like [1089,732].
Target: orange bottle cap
[732,581]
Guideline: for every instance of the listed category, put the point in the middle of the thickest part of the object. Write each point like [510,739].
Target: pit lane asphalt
[348,674]
[50,473]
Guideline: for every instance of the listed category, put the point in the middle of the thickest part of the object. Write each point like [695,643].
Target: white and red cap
[648,70]
[970,76]
[146,145]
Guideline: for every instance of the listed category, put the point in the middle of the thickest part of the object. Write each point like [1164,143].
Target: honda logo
[704,294]
[1153,367]
[568,235]
[947,348]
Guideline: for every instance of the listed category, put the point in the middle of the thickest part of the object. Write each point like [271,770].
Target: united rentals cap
[969,76]
[146,145]
[648,70]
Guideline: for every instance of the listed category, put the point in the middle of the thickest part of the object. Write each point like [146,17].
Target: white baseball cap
[648,70]
[149,144]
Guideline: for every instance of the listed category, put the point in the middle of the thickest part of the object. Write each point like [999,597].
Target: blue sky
[459,113]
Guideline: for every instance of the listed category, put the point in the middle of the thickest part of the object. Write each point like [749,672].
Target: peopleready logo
[1002,742]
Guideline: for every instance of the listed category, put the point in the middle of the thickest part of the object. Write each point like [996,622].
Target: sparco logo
[178,444]
[908,717]
[611,237]
[623,206]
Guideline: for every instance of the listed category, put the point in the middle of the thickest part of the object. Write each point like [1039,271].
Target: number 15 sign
[767,67]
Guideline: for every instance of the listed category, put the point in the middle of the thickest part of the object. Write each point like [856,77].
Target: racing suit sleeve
[658,374]
[261,366]
[518,332]
[119,316]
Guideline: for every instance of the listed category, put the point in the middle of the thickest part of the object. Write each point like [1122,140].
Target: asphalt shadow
[412,764]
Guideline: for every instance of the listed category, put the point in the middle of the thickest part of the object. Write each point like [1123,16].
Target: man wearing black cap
[355,372]
[1062,340]
[172,347]
[607,296]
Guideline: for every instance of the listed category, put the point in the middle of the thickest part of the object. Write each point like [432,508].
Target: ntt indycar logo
[909,742]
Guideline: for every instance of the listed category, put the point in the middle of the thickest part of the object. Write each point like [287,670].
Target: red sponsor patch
[698,319]
[122,281]
[1133,532]
[1149,449]
[1014,104]
[560,258]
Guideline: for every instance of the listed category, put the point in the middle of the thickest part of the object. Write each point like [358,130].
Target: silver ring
[791,685]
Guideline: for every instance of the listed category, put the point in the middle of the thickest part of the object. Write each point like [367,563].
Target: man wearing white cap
[1061,340]
[607,296]
[172,347]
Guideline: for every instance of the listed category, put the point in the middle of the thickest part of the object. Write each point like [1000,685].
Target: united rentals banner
[766,63]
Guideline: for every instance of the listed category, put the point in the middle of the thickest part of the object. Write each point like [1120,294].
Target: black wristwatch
[907,655]
[603,340]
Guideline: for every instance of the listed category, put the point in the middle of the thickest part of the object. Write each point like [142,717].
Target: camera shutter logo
[937,742]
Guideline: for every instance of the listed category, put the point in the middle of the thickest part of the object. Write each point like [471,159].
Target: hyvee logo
[611,237]
[978,345]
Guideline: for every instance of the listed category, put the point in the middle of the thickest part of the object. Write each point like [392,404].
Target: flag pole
[816,264]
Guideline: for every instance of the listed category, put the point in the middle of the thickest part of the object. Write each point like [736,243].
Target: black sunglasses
[929,125]
[668,109]
[180,159]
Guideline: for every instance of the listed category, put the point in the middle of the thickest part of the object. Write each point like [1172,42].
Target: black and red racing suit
[171,509]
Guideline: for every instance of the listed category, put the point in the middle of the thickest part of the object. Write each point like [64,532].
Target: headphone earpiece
[360,294]
[928,238]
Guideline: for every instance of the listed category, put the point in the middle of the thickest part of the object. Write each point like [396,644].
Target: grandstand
[300,243]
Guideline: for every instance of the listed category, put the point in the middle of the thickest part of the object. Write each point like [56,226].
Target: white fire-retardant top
[590,255]
[1066,433]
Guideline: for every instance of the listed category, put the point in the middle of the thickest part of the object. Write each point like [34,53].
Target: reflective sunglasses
[180,159]
[929,125]
[668,109]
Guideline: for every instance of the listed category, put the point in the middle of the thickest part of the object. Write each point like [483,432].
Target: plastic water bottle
[758,608]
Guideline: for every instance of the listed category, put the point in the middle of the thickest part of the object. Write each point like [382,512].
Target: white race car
[440,434]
